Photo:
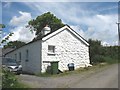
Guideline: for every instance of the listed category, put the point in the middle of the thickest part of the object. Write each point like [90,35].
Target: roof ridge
[50,34]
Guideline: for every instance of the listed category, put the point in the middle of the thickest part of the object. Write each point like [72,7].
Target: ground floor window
[16,57]
[27,55]
[20,56]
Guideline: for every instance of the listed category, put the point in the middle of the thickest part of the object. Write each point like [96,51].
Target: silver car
[12,65]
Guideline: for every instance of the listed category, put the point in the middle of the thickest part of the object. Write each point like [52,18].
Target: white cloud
[109,8]
[105,44]
[20,31]
[22,34]
[100,26]
[79,30]
[20,20]
[60,1]
[105,28]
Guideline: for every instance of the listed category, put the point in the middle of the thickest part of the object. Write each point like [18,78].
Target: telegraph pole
[118,23]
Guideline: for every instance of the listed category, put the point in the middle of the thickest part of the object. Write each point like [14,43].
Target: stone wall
[68,49]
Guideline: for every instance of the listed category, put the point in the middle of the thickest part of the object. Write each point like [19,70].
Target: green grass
[10,80]
[79,70]
[20,85]
[110,60]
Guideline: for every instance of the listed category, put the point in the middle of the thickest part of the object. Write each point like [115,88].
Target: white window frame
[51,49]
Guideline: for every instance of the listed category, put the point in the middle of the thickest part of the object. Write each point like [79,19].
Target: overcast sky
[95,20]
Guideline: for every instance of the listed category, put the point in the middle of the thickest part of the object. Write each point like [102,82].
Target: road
[106,77]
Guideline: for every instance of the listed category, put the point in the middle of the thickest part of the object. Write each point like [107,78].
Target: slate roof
[7,50]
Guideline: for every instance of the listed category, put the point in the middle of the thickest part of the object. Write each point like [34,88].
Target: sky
[95,20]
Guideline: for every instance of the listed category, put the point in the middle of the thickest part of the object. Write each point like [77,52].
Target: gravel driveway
[106,77]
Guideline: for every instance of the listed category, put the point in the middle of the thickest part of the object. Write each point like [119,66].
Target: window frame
[20,56]
[15,56]
[27,55]
[51,50]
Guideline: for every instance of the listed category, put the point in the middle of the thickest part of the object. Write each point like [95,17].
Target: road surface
[106,77]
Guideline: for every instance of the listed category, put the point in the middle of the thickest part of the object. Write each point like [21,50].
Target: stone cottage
[63,45]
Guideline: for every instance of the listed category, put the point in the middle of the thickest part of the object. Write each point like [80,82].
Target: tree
[96,51]
[14,44]
[45,19]
[1,26]
[99,53]
[9,35]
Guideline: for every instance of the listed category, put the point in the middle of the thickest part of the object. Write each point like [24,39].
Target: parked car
[12,65]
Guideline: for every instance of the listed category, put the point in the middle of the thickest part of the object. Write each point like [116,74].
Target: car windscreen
[12,64]
[6,61]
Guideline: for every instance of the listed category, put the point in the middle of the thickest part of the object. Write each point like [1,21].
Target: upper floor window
[51,49]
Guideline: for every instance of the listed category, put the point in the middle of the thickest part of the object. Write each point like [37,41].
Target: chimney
[46,30]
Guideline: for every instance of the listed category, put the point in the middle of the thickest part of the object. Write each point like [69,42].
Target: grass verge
[77,71]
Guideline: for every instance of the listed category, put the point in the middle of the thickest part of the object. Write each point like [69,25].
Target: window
[19,56]
[16,57]
[51,49]
[27,55]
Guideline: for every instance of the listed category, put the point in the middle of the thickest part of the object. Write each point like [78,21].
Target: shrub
[8,79]
[110,60]
[98,59]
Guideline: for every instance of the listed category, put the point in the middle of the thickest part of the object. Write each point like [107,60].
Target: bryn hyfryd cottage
[64,45]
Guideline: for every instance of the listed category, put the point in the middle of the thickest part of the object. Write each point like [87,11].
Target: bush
[8,79]
[98,59]
[99,53]
[110,60]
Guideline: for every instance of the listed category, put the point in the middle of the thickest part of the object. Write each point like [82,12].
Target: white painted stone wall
[34,60]
[68,49]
